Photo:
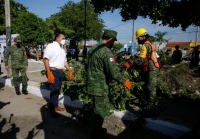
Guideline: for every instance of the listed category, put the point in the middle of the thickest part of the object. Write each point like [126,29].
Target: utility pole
[197,35]
[8,32]
[85,47]
[133,40]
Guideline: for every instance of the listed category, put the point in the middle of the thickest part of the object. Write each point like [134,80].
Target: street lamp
[85,48]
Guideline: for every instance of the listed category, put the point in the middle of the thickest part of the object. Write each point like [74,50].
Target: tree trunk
[37,55]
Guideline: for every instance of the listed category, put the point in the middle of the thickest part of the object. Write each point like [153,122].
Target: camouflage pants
[101,108]
[150,79]
[15,73]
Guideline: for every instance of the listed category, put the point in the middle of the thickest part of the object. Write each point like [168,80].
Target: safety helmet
[140,32]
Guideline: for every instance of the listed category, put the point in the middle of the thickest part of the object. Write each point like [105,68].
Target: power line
[119,25]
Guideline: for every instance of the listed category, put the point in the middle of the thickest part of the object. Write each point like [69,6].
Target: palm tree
[152,39]
[160,37]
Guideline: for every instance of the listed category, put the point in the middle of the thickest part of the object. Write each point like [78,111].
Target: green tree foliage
[72,15]
[173,13]
[152,39]
[15,9]
[32,29]
[117,46]
[54,26]
[160,37]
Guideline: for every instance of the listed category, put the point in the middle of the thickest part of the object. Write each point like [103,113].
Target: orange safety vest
[153,57]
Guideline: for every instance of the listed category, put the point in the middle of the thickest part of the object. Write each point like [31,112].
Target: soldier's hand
[128,64]
[7,68]
[128,84]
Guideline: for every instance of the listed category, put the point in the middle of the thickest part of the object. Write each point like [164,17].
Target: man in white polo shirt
[55,61]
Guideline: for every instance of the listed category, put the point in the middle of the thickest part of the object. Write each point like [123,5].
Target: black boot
[17,91]
[24,91]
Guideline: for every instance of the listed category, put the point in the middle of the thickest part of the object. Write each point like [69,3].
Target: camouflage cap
[17,39]
[110,33]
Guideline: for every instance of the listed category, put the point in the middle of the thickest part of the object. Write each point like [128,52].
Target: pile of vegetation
[174,81]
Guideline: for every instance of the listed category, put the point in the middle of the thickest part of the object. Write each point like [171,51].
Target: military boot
[24,91]
[17,91]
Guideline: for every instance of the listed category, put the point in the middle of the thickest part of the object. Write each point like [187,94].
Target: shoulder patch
[111,59]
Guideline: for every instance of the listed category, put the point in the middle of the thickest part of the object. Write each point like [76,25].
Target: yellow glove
[127,84]
[50,77]
[70,74]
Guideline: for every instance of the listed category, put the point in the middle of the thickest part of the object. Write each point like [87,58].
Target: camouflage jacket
[101,70]
[18,57]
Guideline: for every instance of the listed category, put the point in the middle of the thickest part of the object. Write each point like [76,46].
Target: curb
[33,88]
[164,127]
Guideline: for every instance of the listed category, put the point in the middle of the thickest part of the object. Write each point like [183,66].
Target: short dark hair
[57,35]
[177,46]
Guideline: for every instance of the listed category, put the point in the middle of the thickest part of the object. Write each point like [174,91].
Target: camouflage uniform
[101,70]
[18,64]
[149,77]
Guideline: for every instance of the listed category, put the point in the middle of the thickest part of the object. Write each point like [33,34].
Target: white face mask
[62,42]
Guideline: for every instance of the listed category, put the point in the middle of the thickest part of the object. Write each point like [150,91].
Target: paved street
[26,117]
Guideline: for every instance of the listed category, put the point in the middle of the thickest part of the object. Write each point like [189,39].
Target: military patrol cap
[17,39]
[110,33]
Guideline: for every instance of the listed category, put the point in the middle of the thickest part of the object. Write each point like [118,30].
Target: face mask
[62,42]
[18,44]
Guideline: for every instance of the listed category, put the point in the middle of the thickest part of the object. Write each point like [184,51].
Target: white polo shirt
[56,55]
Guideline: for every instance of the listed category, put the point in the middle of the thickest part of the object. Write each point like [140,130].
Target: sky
[45,8]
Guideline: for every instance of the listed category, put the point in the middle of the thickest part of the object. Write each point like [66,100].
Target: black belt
[56,69]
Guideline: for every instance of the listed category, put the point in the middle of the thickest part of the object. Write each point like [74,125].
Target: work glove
[70,74]
[50,77]
[128,64]
[128,84]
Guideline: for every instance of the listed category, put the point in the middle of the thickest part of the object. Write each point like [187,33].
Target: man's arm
[67,66]
[112,68]
[6,58]
[25,57]
[46,64]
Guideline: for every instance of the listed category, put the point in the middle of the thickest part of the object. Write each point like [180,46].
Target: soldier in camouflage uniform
[149,70]
[101,69]
[19,63]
